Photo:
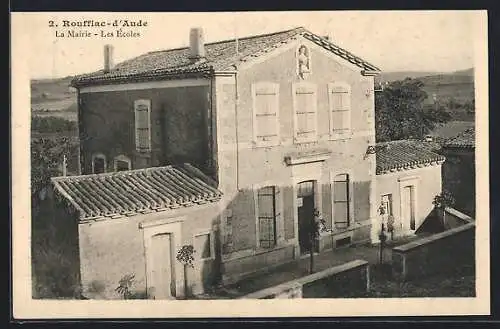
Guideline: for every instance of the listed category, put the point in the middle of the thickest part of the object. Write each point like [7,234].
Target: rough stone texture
[179,126]
[336,282]
[459,177]
[238,268]
[446,251]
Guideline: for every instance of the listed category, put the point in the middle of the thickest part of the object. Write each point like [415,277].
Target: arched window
[341,215]
[122,163]
[98,163]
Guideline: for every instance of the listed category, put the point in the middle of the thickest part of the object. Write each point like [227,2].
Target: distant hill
[394,76]
[53,97]
[452,89]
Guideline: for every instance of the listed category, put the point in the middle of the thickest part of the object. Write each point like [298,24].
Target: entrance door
[162,266]
[305,205]
[408,208]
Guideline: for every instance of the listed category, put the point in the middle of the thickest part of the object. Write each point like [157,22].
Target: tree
[400,112]
[46,158]
[185,256]
[441,202]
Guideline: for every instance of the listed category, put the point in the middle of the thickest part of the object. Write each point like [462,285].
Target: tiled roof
[220,56]
[405,154]
[465,139]
[127,193]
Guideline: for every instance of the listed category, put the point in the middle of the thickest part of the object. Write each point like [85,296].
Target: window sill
[340,136]
[305,141]
[260,144]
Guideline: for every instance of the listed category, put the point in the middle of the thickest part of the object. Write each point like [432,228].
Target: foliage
[52,125]
[185,255]
[443,200]
[400,111]
[124,286]
[46,158]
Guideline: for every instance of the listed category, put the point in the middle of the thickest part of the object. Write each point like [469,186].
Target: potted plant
[441,202]
[317,225]
[185,256]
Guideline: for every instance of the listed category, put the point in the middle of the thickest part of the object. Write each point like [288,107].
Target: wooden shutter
[267,217]
[339,95]
[341,201]
[266,104]
[305,112]
[142,125]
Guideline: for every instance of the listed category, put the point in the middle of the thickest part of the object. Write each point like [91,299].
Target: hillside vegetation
[454,91]
[54,98]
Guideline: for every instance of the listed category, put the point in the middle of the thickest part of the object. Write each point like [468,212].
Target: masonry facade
[281,125]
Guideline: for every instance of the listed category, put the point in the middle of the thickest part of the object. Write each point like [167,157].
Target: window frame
[99,156]
[314,87]
[147,103]
[390,203]
[345,132]
[122,158]
[277,218]
[348,201]
[198,253]
[276,88]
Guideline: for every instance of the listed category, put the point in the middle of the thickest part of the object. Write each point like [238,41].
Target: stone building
[459,170]
[276,126]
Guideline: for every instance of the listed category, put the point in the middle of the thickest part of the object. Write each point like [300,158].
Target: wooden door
[305,210]
[408,208]
[162,266]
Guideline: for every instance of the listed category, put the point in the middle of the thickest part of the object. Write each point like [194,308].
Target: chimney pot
[108,58]
[196,44]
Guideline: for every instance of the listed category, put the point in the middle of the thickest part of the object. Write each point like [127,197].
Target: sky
[392,40]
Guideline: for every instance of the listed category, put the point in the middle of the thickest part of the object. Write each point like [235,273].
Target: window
[203,245]
[98,163]
[339,97]
[122,163]
[267,214]
[386,204]
[341,201]
[266,111]
[142,110]
[305,107]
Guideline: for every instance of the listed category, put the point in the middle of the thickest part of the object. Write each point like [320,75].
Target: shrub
[52,125]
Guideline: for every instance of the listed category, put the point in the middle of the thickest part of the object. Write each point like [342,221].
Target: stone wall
[336,282]
[442,252]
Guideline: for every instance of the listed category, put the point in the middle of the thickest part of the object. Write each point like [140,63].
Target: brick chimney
[108,58]
[196,45]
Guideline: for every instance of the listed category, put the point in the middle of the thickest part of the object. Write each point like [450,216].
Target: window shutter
[267,217]
[142,125]
[341,201]
[266,105]
[305,112]
[340,107]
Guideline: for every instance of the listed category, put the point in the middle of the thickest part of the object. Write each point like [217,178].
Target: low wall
[336,282]
[240,268]
[442,252]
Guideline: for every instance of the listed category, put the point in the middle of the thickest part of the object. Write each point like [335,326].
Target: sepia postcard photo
[249,164]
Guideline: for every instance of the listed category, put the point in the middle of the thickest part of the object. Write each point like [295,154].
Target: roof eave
[142,77]
[370,73]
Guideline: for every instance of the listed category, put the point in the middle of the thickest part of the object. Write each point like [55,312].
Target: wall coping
[306,279]
[459,215]
[433,238]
